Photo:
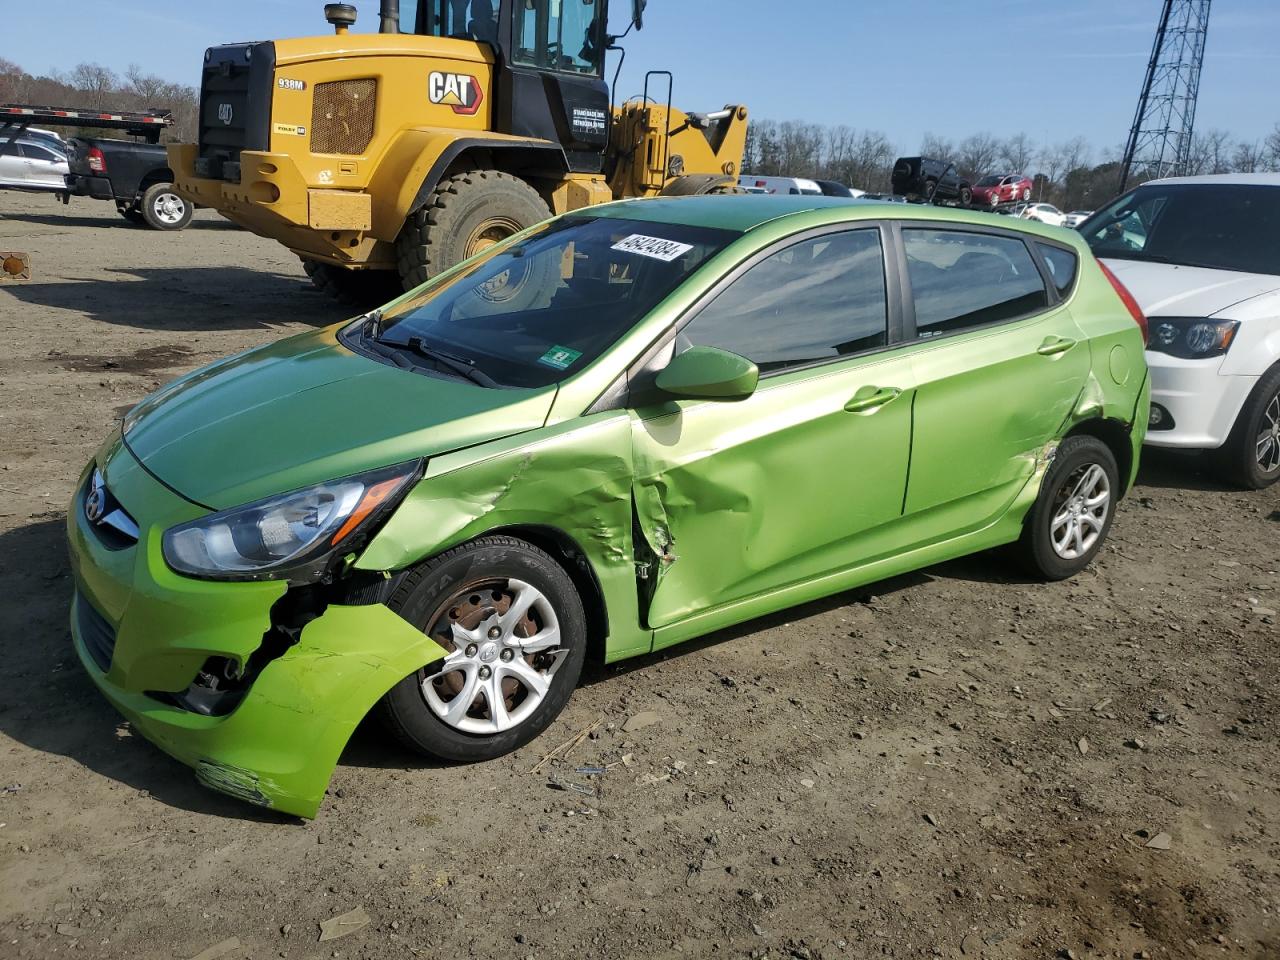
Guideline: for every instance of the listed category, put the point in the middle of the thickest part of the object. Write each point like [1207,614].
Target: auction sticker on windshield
[656,247]
[561,358]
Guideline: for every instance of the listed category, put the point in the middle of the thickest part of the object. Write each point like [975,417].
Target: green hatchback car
[618,430]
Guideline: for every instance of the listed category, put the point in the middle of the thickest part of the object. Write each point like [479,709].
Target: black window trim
[618,393]
[1060,297]
[908,295]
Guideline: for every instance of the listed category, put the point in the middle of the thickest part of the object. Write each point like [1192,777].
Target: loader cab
[549,75]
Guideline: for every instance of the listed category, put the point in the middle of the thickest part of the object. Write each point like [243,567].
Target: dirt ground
[953,763]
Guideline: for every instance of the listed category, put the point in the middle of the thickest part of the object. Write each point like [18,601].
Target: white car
[31,163]
[1201,255]
[1043,212]
[1076,217]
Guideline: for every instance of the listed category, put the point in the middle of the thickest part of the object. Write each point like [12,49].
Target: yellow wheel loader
[385,158]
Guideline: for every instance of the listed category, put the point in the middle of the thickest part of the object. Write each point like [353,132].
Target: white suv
[1201,255]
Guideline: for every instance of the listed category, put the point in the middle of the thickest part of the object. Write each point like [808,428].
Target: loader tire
[468,213]
[355,288]
[700,184]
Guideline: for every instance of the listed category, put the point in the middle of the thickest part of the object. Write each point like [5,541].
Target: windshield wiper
[458,365]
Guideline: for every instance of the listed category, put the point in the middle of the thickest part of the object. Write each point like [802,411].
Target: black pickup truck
[134,174]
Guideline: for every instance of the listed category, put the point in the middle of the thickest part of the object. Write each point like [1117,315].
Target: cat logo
[456,90]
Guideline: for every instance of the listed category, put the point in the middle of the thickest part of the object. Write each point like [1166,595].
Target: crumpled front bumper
[279,746]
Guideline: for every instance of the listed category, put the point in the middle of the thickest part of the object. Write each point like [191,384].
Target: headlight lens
[292,535]
[1191,338]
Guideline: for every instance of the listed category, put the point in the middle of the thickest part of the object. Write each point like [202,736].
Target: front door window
[562,35]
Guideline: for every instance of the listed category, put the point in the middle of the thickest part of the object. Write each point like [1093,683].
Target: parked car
[562,463]
[1043,212]
[1202,257]
[1002,188]
[832,188]
[1076,217]
[930,180]
[135,175]
[783,185]
[33,164]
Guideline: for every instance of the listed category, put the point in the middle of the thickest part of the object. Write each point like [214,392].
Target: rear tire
[467,214]
[462,598]
[1251,456]
[355,288]
[1066,527]
[966,195]
[163,209]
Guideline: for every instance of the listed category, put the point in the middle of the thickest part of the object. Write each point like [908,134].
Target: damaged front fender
[278,749]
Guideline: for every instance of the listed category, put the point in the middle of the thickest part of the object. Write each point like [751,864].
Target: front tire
[516,633]
[354,288]
[1251,456]
[468,213]
[163,209]
[1071,517]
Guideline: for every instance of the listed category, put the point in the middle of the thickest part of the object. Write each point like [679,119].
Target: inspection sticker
[655,247]
[561,358]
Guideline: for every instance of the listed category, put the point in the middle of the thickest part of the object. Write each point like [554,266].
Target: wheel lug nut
[494,633]
[484,673]
[508,655]
[471,650]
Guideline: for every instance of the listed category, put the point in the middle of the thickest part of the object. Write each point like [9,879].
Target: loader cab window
[562,35]
[457,19]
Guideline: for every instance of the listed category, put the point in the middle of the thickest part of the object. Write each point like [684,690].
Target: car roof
[745,212]
[1242,179]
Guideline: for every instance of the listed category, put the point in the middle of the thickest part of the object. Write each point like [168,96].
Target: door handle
[1053,346]
[871,399]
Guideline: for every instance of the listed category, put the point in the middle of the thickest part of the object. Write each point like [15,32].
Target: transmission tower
[1160,138]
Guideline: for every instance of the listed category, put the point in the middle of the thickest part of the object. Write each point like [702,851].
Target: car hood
[305,410]
[1170,290]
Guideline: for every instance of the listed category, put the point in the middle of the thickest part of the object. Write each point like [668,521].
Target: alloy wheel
[169,207]
[505,647]
[1267,448]
[1080,512]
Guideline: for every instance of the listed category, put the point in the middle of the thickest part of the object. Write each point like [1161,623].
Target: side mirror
[637,13]
[709,373]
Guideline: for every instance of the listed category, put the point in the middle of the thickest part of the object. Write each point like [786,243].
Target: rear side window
[962,280]
[815,300]
[1062,264]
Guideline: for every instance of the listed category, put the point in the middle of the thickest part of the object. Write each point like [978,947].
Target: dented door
[805,477]
[993,392]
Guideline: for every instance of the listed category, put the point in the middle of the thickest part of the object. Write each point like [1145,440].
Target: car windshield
[532,314]
[989,182]
[1220,226]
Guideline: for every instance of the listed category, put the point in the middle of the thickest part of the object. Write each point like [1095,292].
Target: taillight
[1126,298]
[97,162]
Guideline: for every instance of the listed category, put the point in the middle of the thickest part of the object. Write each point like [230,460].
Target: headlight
[293,535]
[1192,338]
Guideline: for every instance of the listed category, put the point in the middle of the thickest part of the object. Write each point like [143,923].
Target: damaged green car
[613,432]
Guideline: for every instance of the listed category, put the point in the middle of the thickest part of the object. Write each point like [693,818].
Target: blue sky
[1052,68]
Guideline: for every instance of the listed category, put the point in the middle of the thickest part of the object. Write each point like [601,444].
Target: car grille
[342,116]
[113,526]
[96,633]
[235,106]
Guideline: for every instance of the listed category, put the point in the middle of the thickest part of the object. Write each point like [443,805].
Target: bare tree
[1210,153]
[1273,148]
[1017,153]
[1249,157]
[940,148]
[95,80]
[147,86]
[976,154]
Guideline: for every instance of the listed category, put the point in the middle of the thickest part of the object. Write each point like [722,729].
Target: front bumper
[279,746]
[1202,402]
[82,186]
[274,200]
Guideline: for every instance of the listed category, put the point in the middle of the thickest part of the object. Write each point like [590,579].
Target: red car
[1002,188]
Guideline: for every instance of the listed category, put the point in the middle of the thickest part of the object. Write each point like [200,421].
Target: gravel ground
[952,763]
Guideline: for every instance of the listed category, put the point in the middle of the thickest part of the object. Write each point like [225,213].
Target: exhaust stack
[390,14]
